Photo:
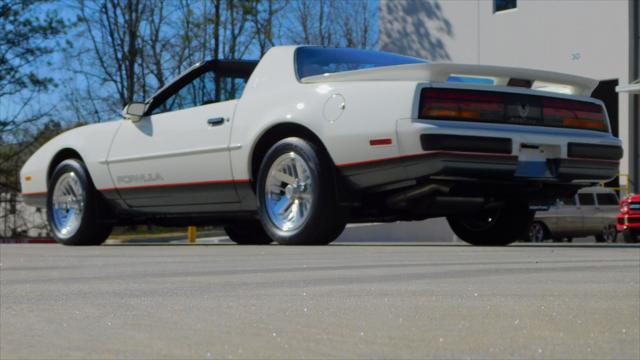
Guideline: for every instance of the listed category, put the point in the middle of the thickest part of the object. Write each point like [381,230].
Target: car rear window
[315,60]
[607,199]
[586,199]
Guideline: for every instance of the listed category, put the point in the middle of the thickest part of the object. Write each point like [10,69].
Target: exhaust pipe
[400,200]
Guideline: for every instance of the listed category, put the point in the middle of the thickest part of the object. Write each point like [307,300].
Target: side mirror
[133,111]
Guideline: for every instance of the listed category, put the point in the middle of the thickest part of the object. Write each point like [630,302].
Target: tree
[114,28]
[333,23]
[124,50]
[267,22]
[27,40]
[356,23]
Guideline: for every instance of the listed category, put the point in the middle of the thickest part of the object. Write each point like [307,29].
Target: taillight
[461,105]
[484,106]
[574,114]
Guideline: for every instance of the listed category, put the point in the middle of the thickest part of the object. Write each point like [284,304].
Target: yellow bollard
[191,234]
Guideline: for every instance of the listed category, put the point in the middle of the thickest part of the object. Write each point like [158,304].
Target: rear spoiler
[440,72]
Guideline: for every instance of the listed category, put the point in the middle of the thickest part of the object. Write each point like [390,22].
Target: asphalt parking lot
[382,300]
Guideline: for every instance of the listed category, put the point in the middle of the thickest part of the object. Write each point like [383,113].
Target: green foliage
[26,32]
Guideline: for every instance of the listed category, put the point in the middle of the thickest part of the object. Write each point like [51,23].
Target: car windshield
[313,60]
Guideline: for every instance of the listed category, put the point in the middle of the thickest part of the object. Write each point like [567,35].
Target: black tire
[493,228]
[630,236]
[93,227]
[324,221]
[248,233]
[535,229]
[606,234]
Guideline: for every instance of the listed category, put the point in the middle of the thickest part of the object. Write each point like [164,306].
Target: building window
[502,5]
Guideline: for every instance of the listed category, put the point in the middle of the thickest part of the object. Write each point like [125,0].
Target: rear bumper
[573,169]
[432,163]
[488,152]
[471,165]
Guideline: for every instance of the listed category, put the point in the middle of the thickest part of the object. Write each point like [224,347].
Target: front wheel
[75,210]
[297,200]
[493,227]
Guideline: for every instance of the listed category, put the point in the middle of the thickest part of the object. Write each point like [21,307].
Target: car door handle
[215,121]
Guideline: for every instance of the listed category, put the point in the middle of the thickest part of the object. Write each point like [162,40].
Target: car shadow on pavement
[386,244]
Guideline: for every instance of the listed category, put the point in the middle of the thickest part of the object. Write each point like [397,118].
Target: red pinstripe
[193,183]
[35,193]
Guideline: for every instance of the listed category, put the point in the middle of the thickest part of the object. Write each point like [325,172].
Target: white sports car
[293,147]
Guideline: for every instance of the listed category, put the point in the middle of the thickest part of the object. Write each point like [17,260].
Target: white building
[593,38]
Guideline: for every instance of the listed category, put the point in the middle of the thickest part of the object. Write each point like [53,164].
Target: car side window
[607,199]
[568,201]
[231,88]
[204,89]
[586,199]
[200,91]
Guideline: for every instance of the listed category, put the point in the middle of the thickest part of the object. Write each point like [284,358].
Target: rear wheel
[75,210]
[249,233]
[537,232]
[608,234]
[493,227]
[297,200]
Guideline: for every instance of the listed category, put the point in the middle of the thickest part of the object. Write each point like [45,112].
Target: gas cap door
[334,107]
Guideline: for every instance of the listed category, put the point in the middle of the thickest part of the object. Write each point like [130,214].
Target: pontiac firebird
[308,139]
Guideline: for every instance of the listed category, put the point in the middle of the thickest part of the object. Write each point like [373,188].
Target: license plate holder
[534,161]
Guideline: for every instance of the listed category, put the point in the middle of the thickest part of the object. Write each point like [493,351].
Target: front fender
[91,142]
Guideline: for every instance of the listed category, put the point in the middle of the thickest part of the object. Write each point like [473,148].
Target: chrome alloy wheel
[68,201]
[536,232]
[288,192]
